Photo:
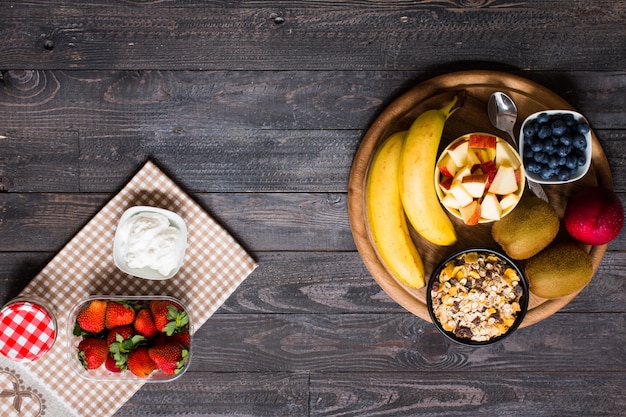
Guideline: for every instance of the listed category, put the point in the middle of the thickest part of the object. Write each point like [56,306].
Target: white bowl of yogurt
[150,242]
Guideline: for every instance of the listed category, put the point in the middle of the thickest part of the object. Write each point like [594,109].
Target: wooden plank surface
[257,109]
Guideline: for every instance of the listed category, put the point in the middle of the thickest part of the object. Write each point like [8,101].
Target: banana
[417,185]
[385,215]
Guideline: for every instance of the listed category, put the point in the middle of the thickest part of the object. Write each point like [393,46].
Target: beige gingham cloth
[214,266]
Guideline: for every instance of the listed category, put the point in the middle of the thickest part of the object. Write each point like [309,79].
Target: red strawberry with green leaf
[111,366]
[119,313]
[170,358]
[169,317]
[140,363]
[144,324]
[92,352]
[92,318]
[121,341]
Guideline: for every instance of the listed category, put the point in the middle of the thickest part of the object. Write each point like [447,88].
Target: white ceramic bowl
[579,172]
[147,272]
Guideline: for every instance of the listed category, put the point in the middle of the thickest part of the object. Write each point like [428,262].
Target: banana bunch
[400,186]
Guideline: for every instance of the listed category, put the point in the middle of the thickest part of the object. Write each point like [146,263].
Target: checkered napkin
[214,266]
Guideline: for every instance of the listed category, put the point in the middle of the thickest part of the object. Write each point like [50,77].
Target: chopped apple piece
[482,154]
[471,213]
[447,166]
[459,153]
[472,158]
[504,182]
[506,156]
[460,193]
[490,169]
[450,202]
[490,207]
[461,173]
[482,141]
[446,183]
[475,184]
[509,200]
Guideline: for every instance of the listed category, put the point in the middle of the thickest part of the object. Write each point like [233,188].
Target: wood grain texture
[257,110]
[357,35]
[515,394]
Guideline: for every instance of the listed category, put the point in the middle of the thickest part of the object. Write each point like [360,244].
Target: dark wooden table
[257,109]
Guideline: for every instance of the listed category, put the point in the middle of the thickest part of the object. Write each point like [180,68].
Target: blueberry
[536,145]
[581,160]
[569,119]
[563,150]
[529,130]
[558,127]
[540,157]
[583,128]
[546,173]
[563,174]
[553,161]
[579,141]
[543,118]
[566,139]
[533,167]
[544,132]
[562,161]
[572,162]
[548,146]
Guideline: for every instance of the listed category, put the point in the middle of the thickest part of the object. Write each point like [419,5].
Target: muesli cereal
[477,296]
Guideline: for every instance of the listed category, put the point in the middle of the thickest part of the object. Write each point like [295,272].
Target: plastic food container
[555,145]
[181,336]
[151,248]
[29,329]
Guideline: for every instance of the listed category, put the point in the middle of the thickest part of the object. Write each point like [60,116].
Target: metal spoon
[503,114]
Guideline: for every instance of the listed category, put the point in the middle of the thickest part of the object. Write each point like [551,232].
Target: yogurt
[150,241]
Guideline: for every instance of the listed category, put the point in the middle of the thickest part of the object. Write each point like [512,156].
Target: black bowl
[476,315]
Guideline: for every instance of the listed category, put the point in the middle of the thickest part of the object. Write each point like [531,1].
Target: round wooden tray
[472,117]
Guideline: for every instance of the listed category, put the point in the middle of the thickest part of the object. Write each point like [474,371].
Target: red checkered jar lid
[28,330]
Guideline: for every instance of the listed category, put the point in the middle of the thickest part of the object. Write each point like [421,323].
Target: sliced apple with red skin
[446,183]
[490,169]
[505,181]
[490,207]
[475,184]
[471,213]
[459,153]
[447,166]
[482,141]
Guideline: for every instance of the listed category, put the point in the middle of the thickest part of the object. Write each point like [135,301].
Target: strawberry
[111,366]
[182,338]
[144,324]
[169,358]
[119,313]
[92,318]
[92,352]
[121,341]
[169,317]
[140,363]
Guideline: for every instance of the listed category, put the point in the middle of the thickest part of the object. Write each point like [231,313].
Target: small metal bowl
[470,313]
